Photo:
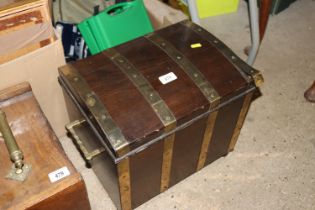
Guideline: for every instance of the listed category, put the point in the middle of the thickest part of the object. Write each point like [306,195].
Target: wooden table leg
[264,16]
[310,93]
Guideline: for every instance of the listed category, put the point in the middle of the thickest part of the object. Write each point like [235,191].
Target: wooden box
[25,25]
[153,111]
[42,153]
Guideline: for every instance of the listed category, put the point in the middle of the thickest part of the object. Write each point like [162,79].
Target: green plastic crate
[115,25]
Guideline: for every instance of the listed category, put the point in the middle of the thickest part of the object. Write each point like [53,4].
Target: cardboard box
[40,69]
[162,15]
[25,25]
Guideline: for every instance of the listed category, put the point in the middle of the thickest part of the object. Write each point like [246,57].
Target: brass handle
[86,154]
[19,170]
[16,155]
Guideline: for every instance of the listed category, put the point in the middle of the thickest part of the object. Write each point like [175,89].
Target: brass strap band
[245,70]
[205,87]
[240,121]
[123,169]
[96,108]
[206,140]
[167,162]
[158,105]
[196,76]
[153,98]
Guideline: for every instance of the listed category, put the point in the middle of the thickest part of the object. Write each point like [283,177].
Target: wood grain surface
[43,151]
[223,76]
[138,121]
[123,100]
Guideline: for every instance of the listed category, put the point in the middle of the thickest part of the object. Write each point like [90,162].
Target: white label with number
[59,174]
[167,78]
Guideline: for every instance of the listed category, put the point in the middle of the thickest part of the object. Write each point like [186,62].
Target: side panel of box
[102,165]
[106,171]
[186,150]
[223,130]
[145,174]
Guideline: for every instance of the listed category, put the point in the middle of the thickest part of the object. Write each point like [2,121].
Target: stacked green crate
[115,25]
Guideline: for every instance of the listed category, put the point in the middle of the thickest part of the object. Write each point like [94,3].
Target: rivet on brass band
[240,120]
[206,140]
[196,76]
[123,169]
[145,88]
[167,162]
[96,107]
[244,69]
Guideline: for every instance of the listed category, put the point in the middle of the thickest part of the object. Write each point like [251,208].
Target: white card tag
[59,174]
[167,78]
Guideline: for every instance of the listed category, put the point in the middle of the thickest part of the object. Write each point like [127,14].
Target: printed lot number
[167,78]
[59,174]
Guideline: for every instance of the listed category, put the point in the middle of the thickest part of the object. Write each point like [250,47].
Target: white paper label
[167,78]
[59,174]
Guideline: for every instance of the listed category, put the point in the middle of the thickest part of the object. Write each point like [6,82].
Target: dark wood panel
[145,174]
[223,130]
[129,109]
[216,68]
[182,96]
[106,171]
[186,151]
[122,99]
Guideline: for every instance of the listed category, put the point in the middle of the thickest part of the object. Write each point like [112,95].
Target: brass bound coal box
[151,112]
